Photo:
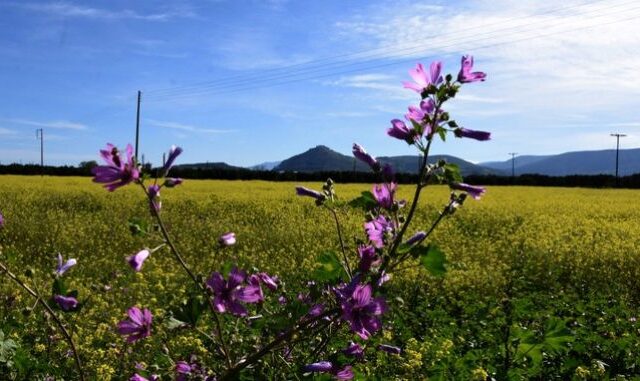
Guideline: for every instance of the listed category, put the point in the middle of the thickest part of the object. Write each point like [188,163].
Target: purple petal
[320,366]
[390,349]
[136,261]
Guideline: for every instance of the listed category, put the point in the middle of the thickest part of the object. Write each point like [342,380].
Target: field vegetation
[540,283]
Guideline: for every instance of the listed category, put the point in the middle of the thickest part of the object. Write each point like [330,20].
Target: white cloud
[65,125]
[6,131]
[69,9]
[186,127]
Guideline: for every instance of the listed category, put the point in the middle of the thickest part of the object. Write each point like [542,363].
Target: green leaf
[328,267]
[452,173]
[443,133]
[431,258]
[557,336]
[58,287]
[138,226]
[7,348]
[189,310]
[365,201]
[173,323]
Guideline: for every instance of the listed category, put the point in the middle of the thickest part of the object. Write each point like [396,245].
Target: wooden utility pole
[40,134]
[513,164]
[138,123]
[617,136]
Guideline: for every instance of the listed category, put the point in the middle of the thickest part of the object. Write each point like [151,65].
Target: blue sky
[249,81]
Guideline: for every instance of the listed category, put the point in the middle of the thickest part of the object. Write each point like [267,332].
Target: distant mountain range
[573,163]
[322,158]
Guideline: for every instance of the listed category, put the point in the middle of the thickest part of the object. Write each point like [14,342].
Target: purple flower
[474,191]
[66,303]
[302,191]
[316,310]
[254,280]
[182,367]
[465,75]
[1,221]
[228,294]
[389,349]
[383,193]
[64,266]
[171,182]
[227,239]
[416,238]
[361,311]
[270,281]
[154,197]
[174,152]
[354,350]
[368,257]
[345,373]
[399,130]
[138,326]
[363,156]
[117,172]
[384,278]
[136,260]
[377,230]
[137,377]
[423,79]
[282,300]
[472,134]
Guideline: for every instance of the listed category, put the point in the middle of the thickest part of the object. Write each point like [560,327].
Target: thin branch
[347,268]
[52,314]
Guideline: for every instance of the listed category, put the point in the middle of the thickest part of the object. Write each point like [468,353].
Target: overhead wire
[265,81]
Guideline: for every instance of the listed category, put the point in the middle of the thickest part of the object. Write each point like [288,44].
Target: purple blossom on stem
[303,191]
[368,257]
[66,303]
[136,260]
[465,75]
[423,79]
[171,182]
[472,134]
[390,349]
[383,193]
[416,238]
[227,239]
[137,377]
[1,221]
[117,172]
[361,311]
[316,310]
[137,326]
[270,281]
[174,152]
[378,229]
[154,197]
[363,156]
[472,190]
[338,373]
[354,350]
[399,130]
[228,294]
[64,266]
[182,367]
[418,114]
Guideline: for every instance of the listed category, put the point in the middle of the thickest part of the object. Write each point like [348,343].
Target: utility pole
[40,134]
[617,136]
[138,123]
[513,164]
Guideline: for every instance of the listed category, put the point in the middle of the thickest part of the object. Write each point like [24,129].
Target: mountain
[216,165]
[575,163]
[266,166]
[322,158]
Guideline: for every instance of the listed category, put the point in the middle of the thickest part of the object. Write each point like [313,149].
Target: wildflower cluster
[344,300]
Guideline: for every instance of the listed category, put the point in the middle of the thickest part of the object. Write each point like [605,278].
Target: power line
[243,87]
[179,92]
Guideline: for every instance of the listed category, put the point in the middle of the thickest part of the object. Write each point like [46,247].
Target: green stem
[44,304]
[347,268]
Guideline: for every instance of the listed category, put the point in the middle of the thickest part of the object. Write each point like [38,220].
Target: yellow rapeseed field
[557,236]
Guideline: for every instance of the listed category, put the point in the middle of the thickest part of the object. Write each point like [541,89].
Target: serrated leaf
[189,310]
[328,267]
[365,201]
[431,258]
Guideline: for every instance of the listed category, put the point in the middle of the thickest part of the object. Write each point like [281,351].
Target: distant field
[519,258]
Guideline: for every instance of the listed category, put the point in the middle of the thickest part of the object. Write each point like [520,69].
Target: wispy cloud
[63,125]
[6,131]
[69,9]
[186,127]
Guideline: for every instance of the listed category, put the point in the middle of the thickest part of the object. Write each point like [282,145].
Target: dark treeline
[586,181]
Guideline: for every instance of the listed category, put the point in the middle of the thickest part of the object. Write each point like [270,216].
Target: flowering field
[540,283]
